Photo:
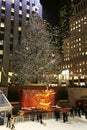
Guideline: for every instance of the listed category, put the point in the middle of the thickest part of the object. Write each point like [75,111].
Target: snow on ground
[76,123]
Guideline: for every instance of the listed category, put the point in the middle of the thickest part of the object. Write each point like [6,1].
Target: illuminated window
[11,35]
[20,4]
[2,25]
[77,70]
[12,9]
[76,40]
[68,43]
[82,83]
[86,53]
[28,7]
[85,17]
[27,15]
[79,39]
[79,25]
[20,12]
[3,7]
[82,19]
[82,53]
[1,42]
[75,77]
[83,62]
[80,70]
[80,64]
[1,52]
[79,21]
[12,1]
[79,49]
[19,28]
[76,22]
[79,44]
[79,30]
[85,22]
[71,29]
[12,19]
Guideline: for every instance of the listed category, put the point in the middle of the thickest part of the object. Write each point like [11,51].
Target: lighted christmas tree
[35,58]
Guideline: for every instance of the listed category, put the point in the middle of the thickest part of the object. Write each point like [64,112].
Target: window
[20,12]
[20,7]
[20,23]
[1,42]
[1,47]
[12,1]
[19,28]
[27,15]
[2,25]
[28,7]
[12,13]
[11,47]
[2,19]
[2,30]
[12,5]
[12,9]
[20,3]
[3,2]
[1,52]
[28,3]
[20,16]
[2,7]
[2,11]
[12,23]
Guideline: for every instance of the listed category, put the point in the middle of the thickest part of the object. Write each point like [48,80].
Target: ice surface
[75,123]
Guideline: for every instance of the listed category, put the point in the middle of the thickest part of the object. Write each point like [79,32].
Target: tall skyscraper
[75,47]
[13,16]
[65,12]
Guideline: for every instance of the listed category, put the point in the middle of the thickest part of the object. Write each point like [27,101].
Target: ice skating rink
[75,123]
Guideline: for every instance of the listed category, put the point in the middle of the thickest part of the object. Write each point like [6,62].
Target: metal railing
[29,117]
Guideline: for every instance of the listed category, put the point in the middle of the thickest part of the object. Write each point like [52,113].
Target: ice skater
[12,123]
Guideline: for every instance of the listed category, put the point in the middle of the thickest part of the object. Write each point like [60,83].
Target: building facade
[13,16]
[75,48]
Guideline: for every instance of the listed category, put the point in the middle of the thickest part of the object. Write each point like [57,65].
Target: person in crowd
[32,115]
[75,111]
[9,120]
[12,123]
[40,117]
[85,113]
[56,114]
[72,112]
[64,116]
[79,112]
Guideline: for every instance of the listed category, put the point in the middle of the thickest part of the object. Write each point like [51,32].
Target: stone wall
[75,93]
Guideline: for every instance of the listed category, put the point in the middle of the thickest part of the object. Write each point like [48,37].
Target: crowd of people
[74,111]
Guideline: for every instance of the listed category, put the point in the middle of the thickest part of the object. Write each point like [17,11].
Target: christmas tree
[35,58]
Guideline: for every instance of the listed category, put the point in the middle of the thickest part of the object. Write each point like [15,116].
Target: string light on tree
[36,57]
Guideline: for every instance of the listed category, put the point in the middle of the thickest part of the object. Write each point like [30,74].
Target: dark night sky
[51,10]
